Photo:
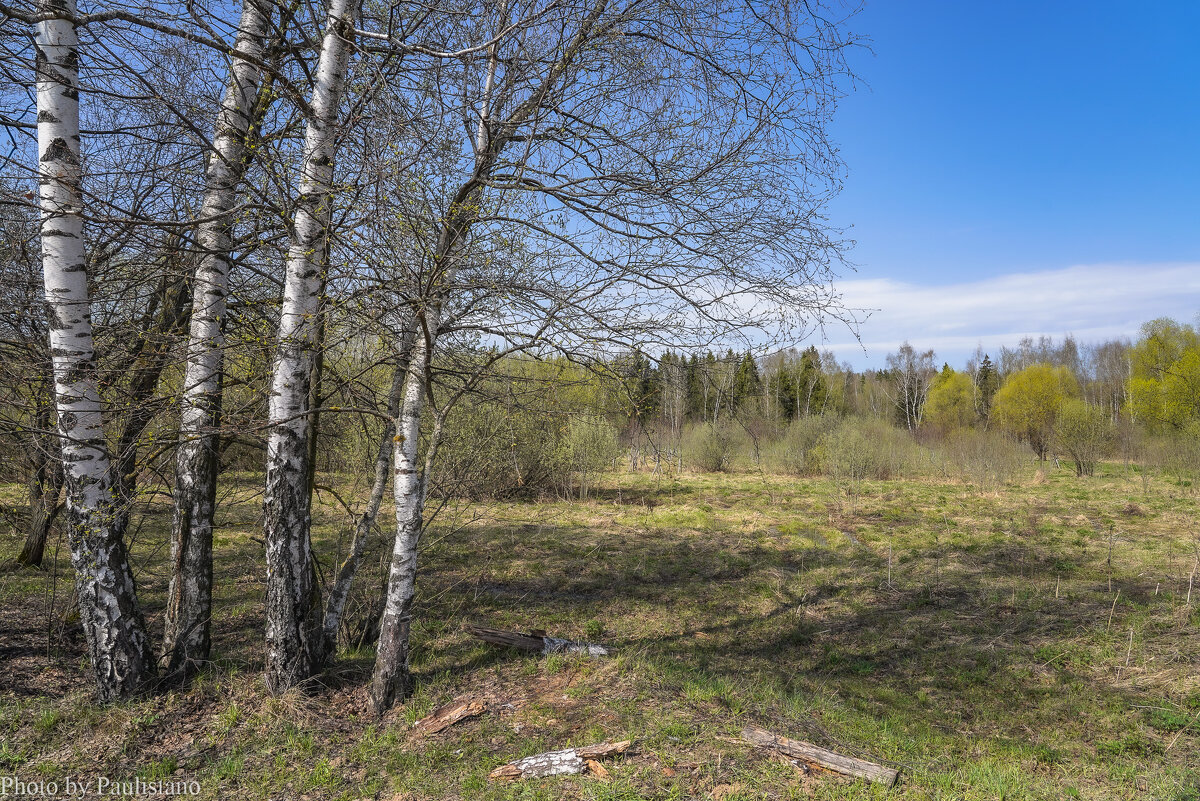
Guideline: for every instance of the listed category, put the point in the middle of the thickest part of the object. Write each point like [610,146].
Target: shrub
[712,447]
[1085,432]
[796,451]
[988,459]
[491,451]
[859,449]
[588,446]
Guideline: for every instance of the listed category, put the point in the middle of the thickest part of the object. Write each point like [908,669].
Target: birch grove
[345,237]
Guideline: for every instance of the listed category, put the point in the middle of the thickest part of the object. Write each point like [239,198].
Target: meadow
[1027,642]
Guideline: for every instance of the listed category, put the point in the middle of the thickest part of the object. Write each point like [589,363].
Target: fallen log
[446,716]
[830,760]
[553,763]
[537,641]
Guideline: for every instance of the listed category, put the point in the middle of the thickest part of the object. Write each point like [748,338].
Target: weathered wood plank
[446,716]
[536,641]
[822,757]
[604,749]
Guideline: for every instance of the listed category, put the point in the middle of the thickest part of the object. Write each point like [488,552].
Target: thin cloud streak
[1092,303]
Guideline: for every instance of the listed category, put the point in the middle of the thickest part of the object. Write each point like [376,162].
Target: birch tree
[294,623]
[340,590]
[186,635]
[109,611]
[912,374]
[651,221]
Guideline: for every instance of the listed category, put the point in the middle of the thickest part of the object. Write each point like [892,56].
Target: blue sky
[1020,168]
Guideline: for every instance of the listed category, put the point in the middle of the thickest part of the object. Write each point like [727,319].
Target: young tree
[951,402]
[1164,388]
[673,373]
[1028,404]
[987,382]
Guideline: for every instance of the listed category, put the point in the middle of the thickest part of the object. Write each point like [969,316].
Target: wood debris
[554,763]
[821,757]
[537,641]
[446,716]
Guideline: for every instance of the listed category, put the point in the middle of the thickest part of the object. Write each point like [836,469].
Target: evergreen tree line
[1150,380]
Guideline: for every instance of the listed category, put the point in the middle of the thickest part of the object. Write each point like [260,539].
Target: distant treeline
[1154,381]
[552,424]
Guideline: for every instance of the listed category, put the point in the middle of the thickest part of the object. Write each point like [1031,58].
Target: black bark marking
[58,150]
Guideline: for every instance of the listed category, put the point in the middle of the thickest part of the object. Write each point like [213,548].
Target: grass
[985,644]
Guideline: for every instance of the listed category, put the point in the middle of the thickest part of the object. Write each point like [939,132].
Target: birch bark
[112,620]
[186,635]
[294,621]
[336,603]
[391,678]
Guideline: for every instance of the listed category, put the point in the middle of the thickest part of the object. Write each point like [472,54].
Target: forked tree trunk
[186,633]
[108,607]
[336,603]
[294,620]
[392,678]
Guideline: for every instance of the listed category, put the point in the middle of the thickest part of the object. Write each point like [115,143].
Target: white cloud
[1093,303]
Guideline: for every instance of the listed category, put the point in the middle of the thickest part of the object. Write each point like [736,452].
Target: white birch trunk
[391,679]
[186,635]
[336,603]
[108,607]
[293,605]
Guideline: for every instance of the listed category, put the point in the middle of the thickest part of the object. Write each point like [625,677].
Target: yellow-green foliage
[1028,403]
[951,401]
[1164,390]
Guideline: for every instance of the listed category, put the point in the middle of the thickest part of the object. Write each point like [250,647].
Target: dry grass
[980,642]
